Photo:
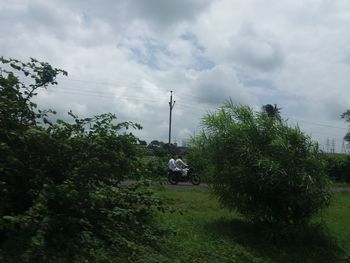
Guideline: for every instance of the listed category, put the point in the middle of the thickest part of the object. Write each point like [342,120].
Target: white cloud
[125,56]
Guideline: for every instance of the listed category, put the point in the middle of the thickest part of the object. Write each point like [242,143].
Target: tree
[18,121]
[60,193]
[155,144]
[158,148]
[143,143]
[346,116]
[267,171]
[272,111]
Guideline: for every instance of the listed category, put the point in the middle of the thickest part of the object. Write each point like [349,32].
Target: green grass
[206,232]
[337,219]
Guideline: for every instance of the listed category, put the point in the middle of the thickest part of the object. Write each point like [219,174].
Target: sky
[125,56]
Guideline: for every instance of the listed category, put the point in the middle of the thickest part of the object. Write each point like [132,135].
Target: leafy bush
[267,171]
[338,167]
[155,168]
[60,194]
[199,159]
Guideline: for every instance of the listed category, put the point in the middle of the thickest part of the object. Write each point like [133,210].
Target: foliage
[272,111]
[346,115]
[338,167]
[158,148]
[161,149]
[60,194]
[171,149]
[199,159]
[262,168]
[155,168]
[142,142]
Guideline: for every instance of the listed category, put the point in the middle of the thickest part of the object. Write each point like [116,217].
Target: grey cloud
[80,22]
[333,106]
[43,15]
[201,60]
[111,11]
[249,49]
[34,17]
[164,13]
[256,53]
[154,14]
[147,51]
[217,85]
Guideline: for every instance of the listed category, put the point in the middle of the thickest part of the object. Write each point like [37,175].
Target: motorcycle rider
[172,164]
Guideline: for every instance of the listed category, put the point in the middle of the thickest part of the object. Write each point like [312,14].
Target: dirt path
[180,185]
[186,186]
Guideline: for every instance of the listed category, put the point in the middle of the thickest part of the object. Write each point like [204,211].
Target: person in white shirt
[171,164]
[181,165]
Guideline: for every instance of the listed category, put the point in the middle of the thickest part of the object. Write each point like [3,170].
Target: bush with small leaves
[338,167]
[259,166]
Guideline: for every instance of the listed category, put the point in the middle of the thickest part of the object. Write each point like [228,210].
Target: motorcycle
[176,176]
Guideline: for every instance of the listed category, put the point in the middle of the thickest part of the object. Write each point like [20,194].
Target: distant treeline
[161,149]
[338,166]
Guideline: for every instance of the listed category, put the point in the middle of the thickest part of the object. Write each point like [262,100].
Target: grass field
[206,232]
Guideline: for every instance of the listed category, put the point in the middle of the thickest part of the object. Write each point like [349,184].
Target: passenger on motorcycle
[181,165]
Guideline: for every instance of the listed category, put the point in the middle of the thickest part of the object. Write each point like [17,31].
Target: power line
[110,95]
[75,91]
[98,82]
[319,124]
[122,85]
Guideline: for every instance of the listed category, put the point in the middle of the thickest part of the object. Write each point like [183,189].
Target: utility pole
[171,106]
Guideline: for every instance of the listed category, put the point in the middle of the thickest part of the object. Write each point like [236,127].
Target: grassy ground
[205,232]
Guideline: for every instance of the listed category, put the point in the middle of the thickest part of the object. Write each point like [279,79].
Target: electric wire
[110,95]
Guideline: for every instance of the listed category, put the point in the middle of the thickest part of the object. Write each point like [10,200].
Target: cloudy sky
[124,56]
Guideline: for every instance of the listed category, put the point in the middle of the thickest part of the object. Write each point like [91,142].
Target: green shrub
[60,194]
[338,167]
[199,159]
[156,168]
[259,166]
